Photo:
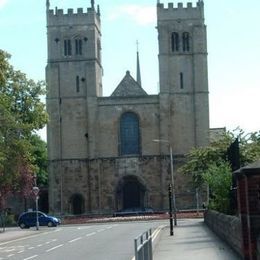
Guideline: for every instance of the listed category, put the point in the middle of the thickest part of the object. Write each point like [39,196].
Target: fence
[143,246]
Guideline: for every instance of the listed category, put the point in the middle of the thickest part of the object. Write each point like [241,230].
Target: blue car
[28,219]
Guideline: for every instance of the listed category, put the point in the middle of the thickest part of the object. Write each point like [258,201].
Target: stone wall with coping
[226,227]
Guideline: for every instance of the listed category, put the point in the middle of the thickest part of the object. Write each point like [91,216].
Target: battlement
[60,17]
[180,11]
[70,11]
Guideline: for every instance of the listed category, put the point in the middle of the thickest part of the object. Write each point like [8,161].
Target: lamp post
[172,177]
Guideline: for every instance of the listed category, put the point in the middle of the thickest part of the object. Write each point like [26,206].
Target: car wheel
[50,224]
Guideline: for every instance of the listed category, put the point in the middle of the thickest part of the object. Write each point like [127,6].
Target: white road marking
[83,228]
[30,248]
[90,234]
[9,250]
[10,255]
[27,237]
[100,230]
[20,252]
[74,240]
[53,248]
[39,245]
[31,257]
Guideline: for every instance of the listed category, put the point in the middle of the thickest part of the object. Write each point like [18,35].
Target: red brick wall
[249,210]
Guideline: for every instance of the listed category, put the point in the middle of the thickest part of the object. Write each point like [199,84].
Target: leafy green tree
[39,152]
[209,165]
[219,178]
[21,114]
[200,159]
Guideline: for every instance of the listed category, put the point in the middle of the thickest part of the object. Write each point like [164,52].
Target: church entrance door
[77,202]
[132,193]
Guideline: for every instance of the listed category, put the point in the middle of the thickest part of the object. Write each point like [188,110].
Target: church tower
[74,81]
[183,75]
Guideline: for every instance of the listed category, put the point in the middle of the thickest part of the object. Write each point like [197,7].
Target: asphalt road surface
[110,241]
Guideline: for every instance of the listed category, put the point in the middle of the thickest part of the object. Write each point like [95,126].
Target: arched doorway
[77,204]
[130,193]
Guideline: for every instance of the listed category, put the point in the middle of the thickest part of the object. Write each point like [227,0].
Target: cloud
[142,15]
[3,3]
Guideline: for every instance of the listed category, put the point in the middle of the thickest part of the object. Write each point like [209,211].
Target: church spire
[138,71]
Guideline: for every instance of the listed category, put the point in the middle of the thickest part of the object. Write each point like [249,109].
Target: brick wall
[248,189]
[226,227]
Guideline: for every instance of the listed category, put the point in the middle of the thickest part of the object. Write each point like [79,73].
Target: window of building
[186,41]
[67,48]
[175,42]
[78,47]
[181,80]
[99,50]
[77,83]
[129,134]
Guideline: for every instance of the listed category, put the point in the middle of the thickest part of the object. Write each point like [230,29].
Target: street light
[172,177]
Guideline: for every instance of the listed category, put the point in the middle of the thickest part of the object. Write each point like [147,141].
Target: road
[108,241]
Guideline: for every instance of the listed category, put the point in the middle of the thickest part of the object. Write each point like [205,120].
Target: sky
[233,49]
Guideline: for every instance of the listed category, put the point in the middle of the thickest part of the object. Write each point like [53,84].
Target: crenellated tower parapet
[180,11]
[59,17]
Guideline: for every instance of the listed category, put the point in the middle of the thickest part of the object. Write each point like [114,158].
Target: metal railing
[143,246]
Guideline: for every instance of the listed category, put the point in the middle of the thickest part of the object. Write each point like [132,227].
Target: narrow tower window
[99,50]
[181,80]
[67,48]
[78,47]
[77,83]
[185,41]
[175,41]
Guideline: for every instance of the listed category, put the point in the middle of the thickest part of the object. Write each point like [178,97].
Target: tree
[209,165]
[39,152]
[21,113]
[219,178]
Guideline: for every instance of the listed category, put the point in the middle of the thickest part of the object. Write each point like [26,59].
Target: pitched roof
[128,87]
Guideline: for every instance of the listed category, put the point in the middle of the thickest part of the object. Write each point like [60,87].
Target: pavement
[192,239]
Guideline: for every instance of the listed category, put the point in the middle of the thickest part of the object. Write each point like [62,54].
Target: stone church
[113,153]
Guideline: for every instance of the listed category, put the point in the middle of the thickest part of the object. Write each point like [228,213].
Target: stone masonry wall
[226,227]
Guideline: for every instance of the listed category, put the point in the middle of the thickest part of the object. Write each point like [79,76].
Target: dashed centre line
[74,240]
[53,248]
[90,234]
[31,257]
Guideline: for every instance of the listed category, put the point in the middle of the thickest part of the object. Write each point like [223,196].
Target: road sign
[36,191]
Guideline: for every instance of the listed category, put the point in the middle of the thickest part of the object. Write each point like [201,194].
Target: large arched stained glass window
[129,134]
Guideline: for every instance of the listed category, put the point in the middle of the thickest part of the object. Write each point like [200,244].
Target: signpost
[36,192]
[170,209]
